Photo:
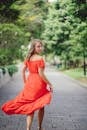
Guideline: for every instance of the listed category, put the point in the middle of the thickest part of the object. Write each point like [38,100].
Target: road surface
[67,111]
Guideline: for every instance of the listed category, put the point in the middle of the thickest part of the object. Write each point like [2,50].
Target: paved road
[67,111]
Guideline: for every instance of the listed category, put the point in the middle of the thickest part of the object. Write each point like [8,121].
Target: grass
[77,74]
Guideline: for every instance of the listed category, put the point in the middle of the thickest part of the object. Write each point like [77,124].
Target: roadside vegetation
[62,26]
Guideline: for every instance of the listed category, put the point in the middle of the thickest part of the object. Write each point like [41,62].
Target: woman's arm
[41,73]
[23,73]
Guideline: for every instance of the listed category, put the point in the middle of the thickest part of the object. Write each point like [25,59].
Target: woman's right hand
[50,87]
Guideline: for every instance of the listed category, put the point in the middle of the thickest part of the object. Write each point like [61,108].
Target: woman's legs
[40,118]
[29,121]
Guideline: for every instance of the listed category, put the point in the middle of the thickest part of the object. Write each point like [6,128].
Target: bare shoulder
[39,57]
[36,57]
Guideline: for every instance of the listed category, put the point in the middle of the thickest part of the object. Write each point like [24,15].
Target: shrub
[3,69]
[12,69]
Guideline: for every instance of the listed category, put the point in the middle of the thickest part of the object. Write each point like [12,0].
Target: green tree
[8,11]
[79,39]
[58,27]
[11,39]
[81,6]
[31,17]
[65,32]
[20,20]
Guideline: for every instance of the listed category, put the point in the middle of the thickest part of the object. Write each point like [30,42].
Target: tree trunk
[84,62]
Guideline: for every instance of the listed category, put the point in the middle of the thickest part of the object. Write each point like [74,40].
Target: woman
[35,94]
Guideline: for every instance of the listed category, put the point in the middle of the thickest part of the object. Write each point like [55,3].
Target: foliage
[62,25]
[11,39]
[32,15]
[12,69]
[3,69]
[65,33]
[20,21]
[8,11]
[81,6]
[78,38]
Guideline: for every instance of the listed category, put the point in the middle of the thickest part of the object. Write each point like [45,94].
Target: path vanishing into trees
[67,111]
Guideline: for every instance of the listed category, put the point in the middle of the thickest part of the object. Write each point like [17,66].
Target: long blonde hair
[32,48]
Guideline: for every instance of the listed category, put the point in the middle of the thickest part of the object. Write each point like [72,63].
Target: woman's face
[38,47]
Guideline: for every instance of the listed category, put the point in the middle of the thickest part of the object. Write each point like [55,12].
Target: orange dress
[35,94]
